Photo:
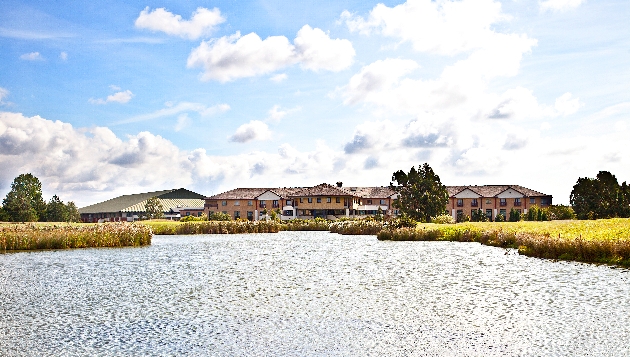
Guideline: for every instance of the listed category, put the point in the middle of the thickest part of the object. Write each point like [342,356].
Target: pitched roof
[372,192]
[493,190]
[135,202]
[240,194]
[323,189]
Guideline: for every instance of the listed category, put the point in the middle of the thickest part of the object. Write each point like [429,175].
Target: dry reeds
[32,236]
[214,227]
[356,227]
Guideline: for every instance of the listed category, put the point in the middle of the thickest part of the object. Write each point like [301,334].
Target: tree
[601,197]
[56,211]
[515,215]
[72,213]
[421,194]
[153,208]
[24,203]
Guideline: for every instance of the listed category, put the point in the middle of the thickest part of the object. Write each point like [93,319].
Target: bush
[193,218]
[443,219]
[478,216]
[515,215]
[499,218]
[463,218]
[219,216]
[561,212]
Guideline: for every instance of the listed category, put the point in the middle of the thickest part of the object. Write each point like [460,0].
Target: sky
[100,99]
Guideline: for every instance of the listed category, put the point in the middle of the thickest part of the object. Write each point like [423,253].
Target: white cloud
[202,22]
[32,56]
[276,113]
[173,109]
[279,77]
[254,130]
[182,121]
[567,105]
[316,50]
[63,56]
[236,56]
[119,97]
[560,5]
[114,87]
[3,94]
[442,27]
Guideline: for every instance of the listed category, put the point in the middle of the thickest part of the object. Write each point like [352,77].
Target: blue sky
[99,99]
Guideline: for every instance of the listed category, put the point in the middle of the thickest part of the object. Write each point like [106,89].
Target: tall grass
[317,224]
[602,241]
[355,227]
[212,227]
[63,236]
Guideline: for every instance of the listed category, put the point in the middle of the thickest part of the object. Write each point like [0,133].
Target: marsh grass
[601,241]
[317,224]
[212,227]
[64,236]
[356,227]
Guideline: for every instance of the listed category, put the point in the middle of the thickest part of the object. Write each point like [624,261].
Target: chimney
[339,183]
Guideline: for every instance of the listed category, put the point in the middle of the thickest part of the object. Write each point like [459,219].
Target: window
[319,200]
[250,215]
[275,204]
[263,204]
[474,203]
[532,200]
[503,202]
[502,212]
[328,199]
[460,212]
[237,214]
[382,202]
[199,214]
[250,203]
[369,202]
[488,201]
[288,212]
[460,202]
[544,201]
[310,200]
[223,203]
[188,213]
[237,203]
[338,200]
[517,202]
[300,200]
[489,214]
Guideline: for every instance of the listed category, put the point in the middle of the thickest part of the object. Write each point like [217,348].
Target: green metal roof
[136,202]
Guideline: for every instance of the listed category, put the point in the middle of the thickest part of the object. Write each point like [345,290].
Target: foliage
[478,215]
[461,217]
[499,218]
[24,203]
[72,212]
[56,210]
[193,218]
[212,227]
[153,208]
[379,214]
[601,197]
[601,241]
[443,219]
[515,215]
[421,194]
[32,236]
[219,216]
[357,227]
[317,224]
[535,213]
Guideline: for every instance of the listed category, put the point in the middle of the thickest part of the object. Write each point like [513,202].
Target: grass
[599,241]
[63,236]
[166,227]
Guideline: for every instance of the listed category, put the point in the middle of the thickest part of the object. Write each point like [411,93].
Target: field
[598,241]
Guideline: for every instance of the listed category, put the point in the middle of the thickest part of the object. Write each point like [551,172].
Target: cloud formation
[32,56]
[118,97]
[277,113]
[181,107]
[254,130]
[202,22]
[560,5]
[232,57]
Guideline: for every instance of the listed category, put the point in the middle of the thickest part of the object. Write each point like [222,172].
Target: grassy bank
[63,236]
[164,227]
[600,241]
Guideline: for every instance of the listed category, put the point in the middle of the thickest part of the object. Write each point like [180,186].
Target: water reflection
[308,294]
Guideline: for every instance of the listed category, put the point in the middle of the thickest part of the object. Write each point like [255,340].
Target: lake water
[308,294]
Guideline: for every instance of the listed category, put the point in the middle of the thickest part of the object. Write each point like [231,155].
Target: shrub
[443,219]
[219,216]
[515,215]
[561,212]
[463,218]
[478,216]
[499,218]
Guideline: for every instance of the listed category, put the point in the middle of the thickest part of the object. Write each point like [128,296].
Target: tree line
[600,197]
[24,203]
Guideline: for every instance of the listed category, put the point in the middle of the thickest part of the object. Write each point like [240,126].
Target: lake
[308,294]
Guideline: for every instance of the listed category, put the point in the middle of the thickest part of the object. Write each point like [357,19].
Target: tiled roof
[323,189]
[371,192]
[123,203]
[240,194]
[493,190]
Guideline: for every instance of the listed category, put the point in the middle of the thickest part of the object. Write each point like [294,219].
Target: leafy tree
[601,197]
[557,212]
[421,194]
[56,211]
[24,203]
[72,212]
[153,208]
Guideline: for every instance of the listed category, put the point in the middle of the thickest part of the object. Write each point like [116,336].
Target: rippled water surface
[308,294]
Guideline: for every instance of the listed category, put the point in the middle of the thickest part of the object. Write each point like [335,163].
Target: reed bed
[212,227]
[356,227]
[317,224]
[64,236]
[602,241]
